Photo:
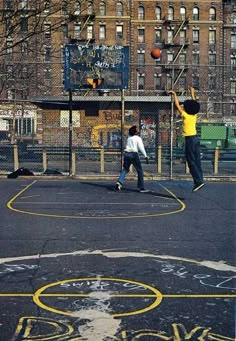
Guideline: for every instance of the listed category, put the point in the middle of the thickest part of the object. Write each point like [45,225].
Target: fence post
[159,156]
[186,168]
[44,159]
[102,167]
[16,157]
[216,160]
[73,163]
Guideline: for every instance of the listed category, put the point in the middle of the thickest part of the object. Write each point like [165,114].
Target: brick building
[197,40]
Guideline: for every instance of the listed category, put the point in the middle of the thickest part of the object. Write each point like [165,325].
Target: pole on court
[122,126]
[70,131]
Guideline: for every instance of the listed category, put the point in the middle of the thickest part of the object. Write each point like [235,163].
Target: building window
[233,18]
[196,36]
[233,41]
[47,54]
[182,37]
[233,87]
[102,8]
[182,59]
[196,82]
[212,37]
[182,83]
[24,24]
[47,74]
[170,14]
[11,94]
[141,82]
[212,14]
[64,28]
[77,8]
[141,13]
[119,32]
[25,126]
[232,112]
[170,57]
[47,6]
[141,58]
[141,35]
[233,63]
[64,7]
[119,9]
[90,32]
[9,49]
[212,59]
[158,35]
[158,13]
[196,59]
[24,47]
[170,35]
[77,30]
[23,4]
[195,13]
[182,13]
[47,30]
[102,32]
[212,82]
[157,82]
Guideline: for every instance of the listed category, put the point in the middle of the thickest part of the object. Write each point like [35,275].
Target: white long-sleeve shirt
[135,144]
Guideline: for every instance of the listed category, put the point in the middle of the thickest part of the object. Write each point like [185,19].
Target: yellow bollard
[159,157]
[216,160]
[102,160]
[16,157]
[45,163]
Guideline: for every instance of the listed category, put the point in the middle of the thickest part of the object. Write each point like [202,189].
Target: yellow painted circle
[153,293]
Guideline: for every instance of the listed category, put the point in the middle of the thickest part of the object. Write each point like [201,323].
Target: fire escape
[178,45]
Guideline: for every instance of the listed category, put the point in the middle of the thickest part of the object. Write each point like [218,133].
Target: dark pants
[132,159]
[193,157]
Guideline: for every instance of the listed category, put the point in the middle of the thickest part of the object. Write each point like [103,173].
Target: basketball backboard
[101,67]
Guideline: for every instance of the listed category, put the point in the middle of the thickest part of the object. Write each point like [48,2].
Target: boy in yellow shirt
[192,142]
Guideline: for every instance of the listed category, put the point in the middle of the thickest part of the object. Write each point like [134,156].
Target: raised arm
[178,106]
[192,92]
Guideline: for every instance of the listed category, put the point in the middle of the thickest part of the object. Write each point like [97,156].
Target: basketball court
[80,261]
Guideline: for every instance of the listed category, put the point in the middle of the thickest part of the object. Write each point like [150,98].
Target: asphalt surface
[79,261]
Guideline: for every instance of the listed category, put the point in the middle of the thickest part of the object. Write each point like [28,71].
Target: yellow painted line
[11,201]
[92,203]
[124,295]
[157,296]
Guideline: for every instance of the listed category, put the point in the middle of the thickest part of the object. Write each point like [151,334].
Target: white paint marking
[219,266]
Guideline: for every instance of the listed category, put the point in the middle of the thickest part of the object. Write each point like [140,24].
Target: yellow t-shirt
[189,124]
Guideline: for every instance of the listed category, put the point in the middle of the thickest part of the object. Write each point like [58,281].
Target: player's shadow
[111,188]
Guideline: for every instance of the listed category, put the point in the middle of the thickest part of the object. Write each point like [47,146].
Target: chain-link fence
[86,136]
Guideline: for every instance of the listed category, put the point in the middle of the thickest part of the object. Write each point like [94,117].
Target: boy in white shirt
[134,145]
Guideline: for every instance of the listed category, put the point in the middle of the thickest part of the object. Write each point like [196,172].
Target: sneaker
[118,186]
[197,187]
[143,190]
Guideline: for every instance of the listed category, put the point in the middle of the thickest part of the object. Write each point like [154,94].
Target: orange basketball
[156,53]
